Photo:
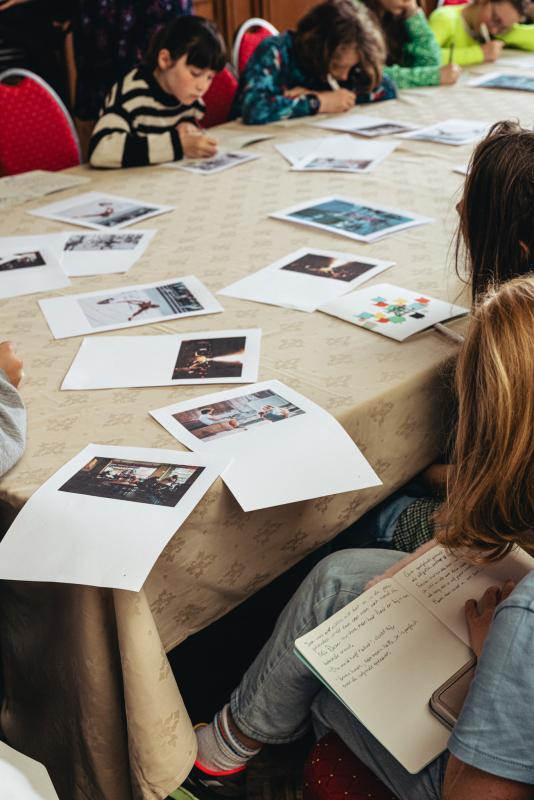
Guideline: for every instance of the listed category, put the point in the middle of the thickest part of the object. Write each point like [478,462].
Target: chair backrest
[219,98]
[248,37]
[36,131]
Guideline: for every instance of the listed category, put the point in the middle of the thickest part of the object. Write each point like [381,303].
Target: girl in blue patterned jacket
[331,62]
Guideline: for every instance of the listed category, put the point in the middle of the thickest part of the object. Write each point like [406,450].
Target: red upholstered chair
[332,772]
[36,131]
[248,37]
[219,98]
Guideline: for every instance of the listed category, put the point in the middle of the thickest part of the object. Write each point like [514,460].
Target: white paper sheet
[461,169]
[347,155]
[104,517]
[392,311]
[520,62]
[285,447]
[306,279]
[355,219]
[210,166]
[100,211]
[295,151]
[364,125]
[451,131]
[29,270]
[80,254]
[205,357]
[23,778]
[127,306]
[503,80]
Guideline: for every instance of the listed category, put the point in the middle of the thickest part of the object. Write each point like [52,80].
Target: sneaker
[200,785]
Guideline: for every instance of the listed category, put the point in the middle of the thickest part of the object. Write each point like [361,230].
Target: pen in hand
[484,32]
[334,85]
[451,53]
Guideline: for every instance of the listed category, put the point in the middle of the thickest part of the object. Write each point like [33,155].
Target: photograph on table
[29,271]
[209,166]
[127,306]
[306,279]
[133,481]
[206,357]
[103,253]
[100,211]
[364,125]
[293,449]
[451,131]
[346,155]
[351,218]
[238,415]
[392,311]
[502,80]
[104,517]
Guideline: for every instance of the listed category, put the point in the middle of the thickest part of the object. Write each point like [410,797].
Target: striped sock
[219,749]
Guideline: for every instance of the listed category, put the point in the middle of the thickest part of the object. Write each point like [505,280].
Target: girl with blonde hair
[489,510]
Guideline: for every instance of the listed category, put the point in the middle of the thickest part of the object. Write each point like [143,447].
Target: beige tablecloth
[89,688]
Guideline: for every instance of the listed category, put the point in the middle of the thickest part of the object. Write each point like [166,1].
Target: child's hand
[10,363]
[492,50]
[296,91]
[197,144]
[449,74]
[336,102]
[479,616]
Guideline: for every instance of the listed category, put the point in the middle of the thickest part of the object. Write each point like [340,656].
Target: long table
[90,691]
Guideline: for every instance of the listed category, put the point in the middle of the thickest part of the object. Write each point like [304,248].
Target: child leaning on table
[332,61]
[12,411]
[152,114]
[476,32]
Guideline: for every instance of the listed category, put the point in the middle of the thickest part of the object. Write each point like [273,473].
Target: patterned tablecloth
[123,731]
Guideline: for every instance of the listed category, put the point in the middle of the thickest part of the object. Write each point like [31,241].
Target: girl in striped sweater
[152,114]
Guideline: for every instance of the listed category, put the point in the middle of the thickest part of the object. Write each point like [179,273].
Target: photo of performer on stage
[210,358]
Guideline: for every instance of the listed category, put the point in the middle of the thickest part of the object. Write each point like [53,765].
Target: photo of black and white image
[138,304]
[107,213]
[328,267]
[210,358]
[327,164]
[444,136]
[21,260]
[383,129]
[342,215]
[217,163]
[135,481]
[239,414]
[102,241]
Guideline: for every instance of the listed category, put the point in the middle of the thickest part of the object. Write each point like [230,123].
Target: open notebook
[386,652]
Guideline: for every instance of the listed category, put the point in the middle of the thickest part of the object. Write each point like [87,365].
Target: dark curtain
[109,39]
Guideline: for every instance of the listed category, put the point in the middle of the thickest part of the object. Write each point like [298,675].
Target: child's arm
[114,143]
[519,36]
[262,98]
[421,56]
[469,52]
[12,411]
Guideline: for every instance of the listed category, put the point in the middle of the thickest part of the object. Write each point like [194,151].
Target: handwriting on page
[439,575]
[363,635]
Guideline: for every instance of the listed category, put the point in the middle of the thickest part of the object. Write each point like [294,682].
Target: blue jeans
[279,697]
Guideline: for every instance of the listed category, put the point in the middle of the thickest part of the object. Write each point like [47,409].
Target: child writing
[151,115]
[413,55]
[331,62]
[477,32]
[490,508]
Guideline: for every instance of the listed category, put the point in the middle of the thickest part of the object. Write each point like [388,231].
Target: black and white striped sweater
[137,125]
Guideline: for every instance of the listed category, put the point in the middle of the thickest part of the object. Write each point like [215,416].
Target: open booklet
[385,653]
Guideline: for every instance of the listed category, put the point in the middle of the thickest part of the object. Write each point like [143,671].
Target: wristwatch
[314,102]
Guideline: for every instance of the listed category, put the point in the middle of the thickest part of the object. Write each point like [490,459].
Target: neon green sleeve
[520,37]
[449,29]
